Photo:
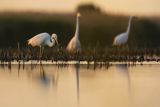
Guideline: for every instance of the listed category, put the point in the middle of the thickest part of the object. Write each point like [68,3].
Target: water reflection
[123,69]
[79,86]
[77,68]
[47,80]
[44,79]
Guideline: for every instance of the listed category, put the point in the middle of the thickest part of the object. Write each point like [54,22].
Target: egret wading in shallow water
[43,39]
[74,45]
[122,38]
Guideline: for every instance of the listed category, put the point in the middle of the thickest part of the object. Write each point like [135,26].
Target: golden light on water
[138,7]
[117,86]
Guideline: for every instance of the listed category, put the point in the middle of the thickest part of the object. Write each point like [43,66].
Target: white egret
[43,39]
[74,45]
[123,37]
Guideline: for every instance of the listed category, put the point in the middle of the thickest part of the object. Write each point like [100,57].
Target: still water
[80,86]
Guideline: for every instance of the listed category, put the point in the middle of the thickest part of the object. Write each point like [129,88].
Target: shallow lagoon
[76,85]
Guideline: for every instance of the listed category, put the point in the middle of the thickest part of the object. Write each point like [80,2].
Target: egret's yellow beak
[56,41]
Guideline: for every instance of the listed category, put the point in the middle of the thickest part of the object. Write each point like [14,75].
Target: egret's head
[78,14]
[54,38]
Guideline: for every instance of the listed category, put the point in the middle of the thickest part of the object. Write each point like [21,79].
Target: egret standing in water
[74,45]
[43,39]
[123,37]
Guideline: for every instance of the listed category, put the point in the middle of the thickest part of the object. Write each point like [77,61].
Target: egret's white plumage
[123,37]
[43,39]
[74,44]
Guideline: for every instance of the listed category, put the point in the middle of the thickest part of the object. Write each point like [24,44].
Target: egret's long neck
[129,25]
[51,43]
[77,27]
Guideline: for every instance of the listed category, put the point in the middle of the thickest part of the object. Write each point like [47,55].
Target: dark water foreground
[49,85]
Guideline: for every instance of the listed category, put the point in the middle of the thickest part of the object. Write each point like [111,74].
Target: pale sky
[135,7]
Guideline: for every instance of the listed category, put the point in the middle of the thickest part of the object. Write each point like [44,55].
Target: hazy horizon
[127,7]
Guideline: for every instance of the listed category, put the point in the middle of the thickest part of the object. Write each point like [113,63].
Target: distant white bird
[74,45]
[123,37]
[43,39]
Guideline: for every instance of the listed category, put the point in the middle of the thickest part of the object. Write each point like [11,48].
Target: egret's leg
[40,53]
[119,50]
[125,48]
[116,50]
[78,54]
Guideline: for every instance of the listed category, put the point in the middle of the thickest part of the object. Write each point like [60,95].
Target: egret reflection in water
[123,69]
[46,79]
[77,68]
[40,74]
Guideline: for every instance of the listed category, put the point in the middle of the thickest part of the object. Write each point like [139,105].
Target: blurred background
[101,21]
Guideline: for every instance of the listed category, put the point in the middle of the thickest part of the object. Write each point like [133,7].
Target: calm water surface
[80,86]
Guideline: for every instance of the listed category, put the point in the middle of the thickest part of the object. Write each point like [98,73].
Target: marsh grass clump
[60,54]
